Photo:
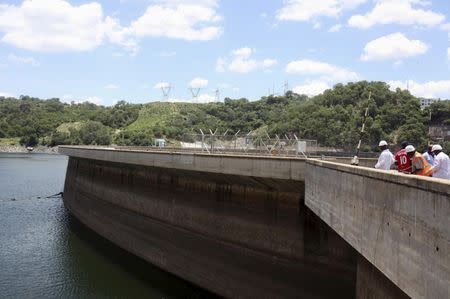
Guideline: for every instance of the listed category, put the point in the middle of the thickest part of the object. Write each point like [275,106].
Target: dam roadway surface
[267,226]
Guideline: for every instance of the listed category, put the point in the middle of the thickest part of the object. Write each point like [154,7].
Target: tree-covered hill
[334,118]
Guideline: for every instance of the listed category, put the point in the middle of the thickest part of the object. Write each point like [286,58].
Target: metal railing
[213,143]
[248,143]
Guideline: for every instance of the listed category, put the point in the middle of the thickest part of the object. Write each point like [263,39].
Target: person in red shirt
[402,160]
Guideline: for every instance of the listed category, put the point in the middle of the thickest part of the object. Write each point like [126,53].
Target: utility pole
[355,160]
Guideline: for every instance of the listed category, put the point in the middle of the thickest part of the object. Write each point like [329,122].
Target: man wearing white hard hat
[386,158]
[441,167]
[419,165]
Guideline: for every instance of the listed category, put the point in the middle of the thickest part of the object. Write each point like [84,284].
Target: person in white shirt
[386,158]
[441,166]
[428,155]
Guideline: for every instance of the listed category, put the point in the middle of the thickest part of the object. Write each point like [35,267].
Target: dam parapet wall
[400,223]
[274,167]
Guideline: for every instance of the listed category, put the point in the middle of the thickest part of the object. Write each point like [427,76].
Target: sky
[106,51]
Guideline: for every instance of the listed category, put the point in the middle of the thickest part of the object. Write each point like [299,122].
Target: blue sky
[105,51]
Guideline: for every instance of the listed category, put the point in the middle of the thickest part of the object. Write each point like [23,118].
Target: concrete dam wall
[268,227]
[236,226]
[399,223]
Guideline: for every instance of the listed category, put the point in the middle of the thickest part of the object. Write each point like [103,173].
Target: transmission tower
[166,91]
[195,92]
[286,86]
[217,95]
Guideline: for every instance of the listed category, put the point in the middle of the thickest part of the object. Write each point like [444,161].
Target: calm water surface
[47,253]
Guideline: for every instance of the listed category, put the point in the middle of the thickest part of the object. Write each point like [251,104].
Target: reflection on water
[47,253]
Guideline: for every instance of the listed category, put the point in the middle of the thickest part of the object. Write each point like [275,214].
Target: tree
[95,133]
[334,118]
[29,140]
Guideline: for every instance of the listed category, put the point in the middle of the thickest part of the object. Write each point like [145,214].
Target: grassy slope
[65,127]
[154,114]
[9,141]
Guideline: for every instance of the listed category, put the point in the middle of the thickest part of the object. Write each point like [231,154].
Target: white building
[427,102]
[160,142]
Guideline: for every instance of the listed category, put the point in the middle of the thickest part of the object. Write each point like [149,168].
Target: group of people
[433,163]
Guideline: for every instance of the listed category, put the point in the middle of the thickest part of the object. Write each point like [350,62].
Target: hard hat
[410,149]
[436,147]
[382,143]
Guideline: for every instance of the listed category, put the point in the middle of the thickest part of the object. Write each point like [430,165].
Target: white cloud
[68,98]
[160,85]
[267,63]
[242,65]
[202,98]
[188,20]
[306,10]
[431,89]
[58,26]
[111,86]
[52,25]
[240,62]
[311,88]
[119,35]
[94,100]
[335,28]
[327,72]
[393,46]
[448,54]
[198,83]
[324,75]
[6,95]
[24,60]
[400,12]
[244,52]
[176,100]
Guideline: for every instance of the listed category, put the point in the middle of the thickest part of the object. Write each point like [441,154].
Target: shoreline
[22,149]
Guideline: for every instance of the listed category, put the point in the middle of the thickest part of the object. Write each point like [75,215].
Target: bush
[95,133]
[30,140]
[131,137]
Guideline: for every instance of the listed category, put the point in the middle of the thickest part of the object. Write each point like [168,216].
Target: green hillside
[333,118]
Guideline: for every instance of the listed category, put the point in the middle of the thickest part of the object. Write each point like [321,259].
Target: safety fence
[265,144]
[238,143]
